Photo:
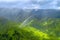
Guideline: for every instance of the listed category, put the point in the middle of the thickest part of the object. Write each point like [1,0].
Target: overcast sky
[30,4]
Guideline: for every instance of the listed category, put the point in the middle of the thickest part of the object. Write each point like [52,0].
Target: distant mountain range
[16,14]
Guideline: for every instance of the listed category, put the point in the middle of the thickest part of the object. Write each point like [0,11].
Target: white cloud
[14,0]
[28,4]
[7,0]
[32,6]
[53,4]
[58,8]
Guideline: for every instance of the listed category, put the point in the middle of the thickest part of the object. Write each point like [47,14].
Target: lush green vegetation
[45,30]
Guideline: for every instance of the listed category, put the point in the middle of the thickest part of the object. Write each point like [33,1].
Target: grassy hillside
[34,30]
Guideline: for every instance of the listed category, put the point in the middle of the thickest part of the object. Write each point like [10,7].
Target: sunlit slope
[33,34]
